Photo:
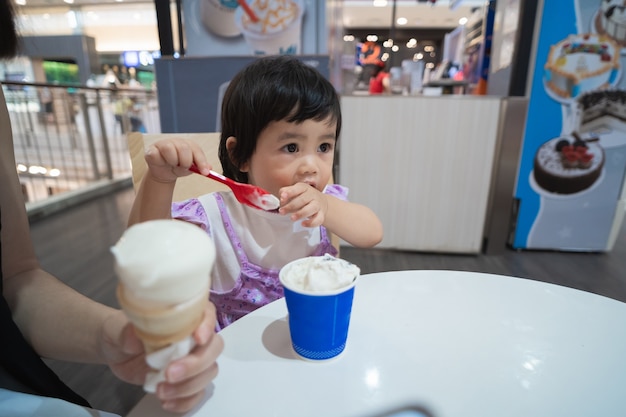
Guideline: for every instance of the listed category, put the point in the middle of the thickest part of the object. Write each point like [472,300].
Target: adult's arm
[59,322]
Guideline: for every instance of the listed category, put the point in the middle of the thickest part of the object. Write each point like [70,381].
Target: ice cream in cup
[277,29]
[319,291]
[164,270]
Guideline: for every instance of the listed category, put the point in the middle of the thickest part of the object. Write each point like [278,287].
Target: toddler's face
[288,153]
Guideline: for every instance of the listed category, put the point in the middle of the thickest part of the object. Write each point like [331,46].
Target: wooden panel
[423,164]
[186,187]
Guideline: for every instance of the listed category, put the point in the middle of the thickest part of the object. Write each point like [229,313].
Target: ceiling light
[402,21]
[462,21]
[69,1]
[372,378]
[71,19]
[20,2]
[380,3]
[37,169]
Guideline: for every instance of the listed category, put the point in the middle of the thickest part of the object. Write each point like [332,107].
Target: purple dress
[255,286]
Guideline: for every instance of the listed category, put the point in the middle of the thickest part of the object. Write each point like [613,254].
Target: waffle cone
[162,326]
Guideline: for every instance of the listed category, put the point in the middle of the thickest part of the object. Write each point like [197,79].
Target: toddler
[280,123]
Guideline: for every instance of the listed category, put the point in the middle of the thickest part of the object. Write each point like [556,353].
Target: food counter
[425,165]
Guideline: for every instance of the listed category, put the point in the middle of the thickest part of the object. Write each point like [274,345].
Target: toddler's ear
[231,142]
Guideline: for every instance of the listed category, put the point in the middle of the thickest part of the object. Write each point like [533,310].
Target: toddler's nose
[308,165]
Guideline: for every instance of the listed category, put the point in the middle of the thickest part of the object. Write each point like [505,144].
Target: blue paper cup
[318,321]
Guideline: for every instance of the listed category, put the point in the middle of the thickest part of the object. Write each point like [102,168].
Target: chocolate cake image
[602,108]
[568,164]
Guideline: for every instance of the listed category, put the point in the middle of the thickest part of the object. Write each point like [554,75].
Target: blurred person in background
[126,110]
[379,79]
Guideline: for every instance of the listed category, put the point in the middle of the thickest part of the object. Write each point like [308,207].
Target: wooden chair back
[186,187]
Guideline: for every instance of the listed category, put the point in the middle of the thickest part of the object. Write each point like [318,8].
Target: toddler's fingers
[153,155]
[307,211]
[290,197]
[196,156]
[179,154]
[201,162]
[314,221]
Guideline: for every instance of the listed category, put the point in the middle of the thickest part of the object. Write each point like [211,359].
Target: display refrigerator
[569,190]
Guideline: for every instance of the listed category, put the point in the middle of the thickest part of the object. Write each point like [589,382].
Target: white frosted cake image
[611,20]
[582,63]
[568,164]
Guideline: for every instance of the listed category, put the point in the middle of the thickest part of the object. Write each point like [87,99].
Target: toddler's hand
[169,159]
[303,201]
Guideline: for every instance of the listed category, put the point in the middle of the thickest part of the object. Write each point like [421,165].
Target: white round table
[458,343]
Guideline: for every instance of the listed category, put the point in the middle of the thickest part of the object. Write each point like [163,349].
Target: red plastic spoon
[247,194]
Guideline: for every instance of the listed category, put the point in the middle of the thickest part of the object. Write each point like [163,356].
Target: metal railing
[70,140]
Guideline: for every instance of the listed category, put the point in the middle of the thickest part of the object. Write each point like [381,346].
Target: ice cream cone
[159,327]
[164,269]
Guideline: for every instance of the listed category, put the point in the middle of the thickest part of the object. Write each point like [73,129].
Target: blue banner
[573,155]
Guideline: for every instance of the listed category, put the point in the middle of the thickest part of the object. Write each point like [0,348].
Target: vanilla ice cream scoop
[163,262]
[319,274]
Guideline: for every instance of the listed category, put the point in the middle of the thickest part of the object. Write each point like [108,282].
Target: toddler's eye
[292,147]
[326,147]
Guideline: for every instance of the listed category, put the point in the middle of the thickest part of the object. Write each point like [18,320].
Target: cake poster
[253,27]
[573,157]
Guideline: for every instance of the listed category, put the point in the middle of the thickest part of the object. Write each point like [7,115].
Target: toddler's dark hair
[271,89]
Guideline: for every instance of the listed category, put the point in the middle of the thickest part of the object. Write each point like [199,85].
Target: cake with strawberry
[568,164]
[582,63]
[611,20]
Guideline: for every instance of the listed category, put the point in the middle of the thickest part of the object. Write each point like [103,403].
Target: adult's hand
[185,379]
